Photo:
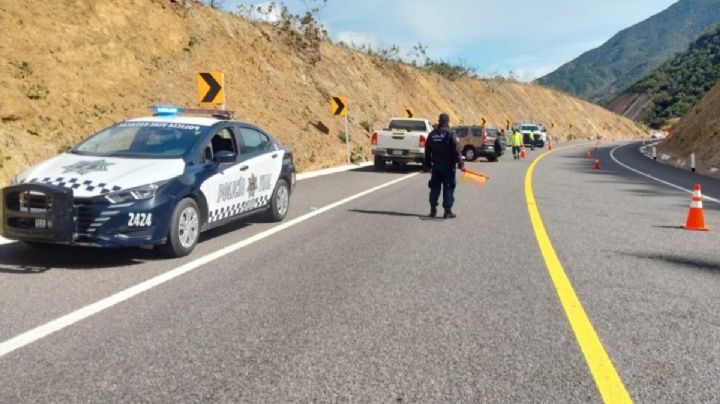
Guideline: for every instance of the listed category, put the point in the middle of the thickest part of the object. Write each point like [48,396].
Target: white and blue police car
[153,181]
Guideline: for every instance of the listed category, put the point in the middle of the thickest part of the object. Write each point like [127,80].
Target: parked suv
[478,141]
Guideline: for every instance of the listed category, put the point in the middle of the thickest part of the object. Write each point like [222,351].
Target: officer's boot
[449,214]
[433,211]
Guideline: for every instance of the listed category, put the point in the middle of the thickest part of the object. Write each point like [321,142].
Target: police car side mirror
[224,156]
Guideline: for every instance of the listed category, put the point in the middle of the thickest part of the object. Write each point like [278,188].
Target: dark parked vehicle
[478,141]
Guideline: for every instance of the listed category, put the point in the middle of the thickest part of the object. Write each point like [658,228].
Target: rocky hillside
[598,75]
[672,89]
[71,68]
[697,132]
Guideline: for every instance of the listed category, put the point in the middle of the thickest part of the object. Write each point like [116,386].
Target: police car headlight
[142,193]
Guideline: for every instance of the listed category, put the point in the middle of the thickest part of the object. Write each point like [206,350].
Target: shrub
[24,69]
[36,91]
[357,155]
[366,125]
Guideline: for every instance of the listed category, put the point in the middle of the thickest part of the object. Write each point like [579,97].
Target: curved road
[359,298]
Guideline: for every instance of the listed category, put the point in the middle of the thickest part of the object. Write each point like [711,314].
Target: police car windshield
[530,128]
[142,139]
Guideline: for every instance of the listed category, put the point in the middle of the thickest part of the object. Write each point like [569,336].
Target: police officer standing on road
[442,154]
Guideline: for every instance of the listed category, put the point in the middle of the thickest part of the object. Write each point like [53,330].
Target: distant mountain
[672,89]
[601,73]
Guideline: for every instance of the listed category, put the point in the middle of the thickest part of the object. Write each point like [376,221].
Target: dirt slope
[69,68]
[631,105]
[699,132]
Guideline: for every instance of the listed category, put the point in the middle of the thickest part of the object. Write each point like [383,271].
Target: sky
[529,38]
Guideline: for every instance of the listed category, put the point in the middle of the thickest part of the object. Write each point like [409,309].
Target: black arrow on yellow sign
[409,113]
[214,87]
[338,106]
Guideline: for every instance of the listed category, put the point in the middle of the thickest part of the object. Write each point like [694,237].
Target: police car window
[253,141]
[142,139]
[223,140]
[477,132]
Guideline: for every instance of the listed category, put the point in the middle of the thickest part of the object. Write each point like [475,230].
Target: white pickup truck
[402,142]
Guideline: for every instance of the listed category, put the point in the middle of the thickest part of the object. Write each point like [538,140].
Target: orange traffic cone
[596,165]
[588,155]
[550,146]
[522,153]
[696,218]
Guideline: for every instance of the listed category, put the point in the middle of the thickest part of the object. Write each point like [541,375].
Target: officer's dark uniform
[442,155]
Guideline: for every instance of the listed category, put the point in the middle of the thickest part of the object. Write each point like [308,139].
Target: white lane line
[67,320]
[670,184]
[332,170]
[299,177]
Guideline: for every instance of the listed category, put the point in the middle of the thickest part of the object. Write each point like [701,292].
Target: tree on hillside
[215,3]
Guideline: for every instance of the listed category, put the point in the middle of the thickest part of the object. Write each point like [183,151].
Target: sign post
[338,107]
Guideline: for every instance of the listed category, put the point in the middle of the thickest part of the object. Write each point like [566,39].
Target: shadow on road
[690,262]
[385,213]
[22,259]
[398,214]
[390,169]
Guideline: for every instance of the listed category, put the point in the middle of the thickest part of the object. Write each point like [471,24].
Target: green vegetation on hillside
[680,82]
[601,73]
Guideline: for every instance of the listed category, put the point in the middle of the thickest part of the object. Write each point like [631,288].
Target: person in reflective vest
[516,141]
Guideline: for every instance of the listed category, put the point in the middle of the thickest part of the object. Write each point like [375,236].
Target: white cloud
[359,39]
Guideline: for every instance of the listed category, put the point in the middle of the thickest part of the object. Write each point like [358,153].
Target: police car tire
[173,247]
[274,214]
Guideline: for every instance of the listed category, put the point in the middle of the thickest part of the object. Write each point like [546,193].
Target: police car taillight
[373,140]
[422,141]
[484,138]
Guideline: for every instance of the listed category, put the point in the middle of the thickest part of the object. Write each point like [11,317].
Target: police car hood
[92,176]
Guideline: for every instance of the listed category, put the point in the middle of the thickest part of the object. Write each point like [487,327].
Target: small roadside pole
[338,106]
[654,153]
[692,162]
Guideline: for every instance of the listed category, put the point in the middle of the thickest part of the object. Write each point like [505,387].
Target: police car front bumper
[50,214]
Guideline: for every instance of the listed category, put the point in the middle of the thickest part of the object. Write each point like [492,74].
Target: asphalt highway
[360,298]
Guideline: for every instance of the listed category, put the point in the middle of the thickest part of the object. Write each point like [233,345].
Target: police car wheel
[184,229]
[279,202]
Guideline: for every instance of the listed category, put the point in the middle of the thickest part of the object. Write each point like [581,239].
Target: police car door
[259,152]
[225,188]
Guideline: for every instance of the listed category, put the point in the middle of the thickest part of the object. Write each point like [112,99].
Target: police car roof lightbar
[168,110]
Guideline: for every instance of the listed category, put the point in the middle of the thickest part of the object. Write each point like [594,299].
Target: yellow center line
[606,377]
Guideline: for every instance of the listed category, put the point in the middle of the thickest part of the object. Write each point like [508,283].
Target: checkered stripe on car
[76,183]
[238,208]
